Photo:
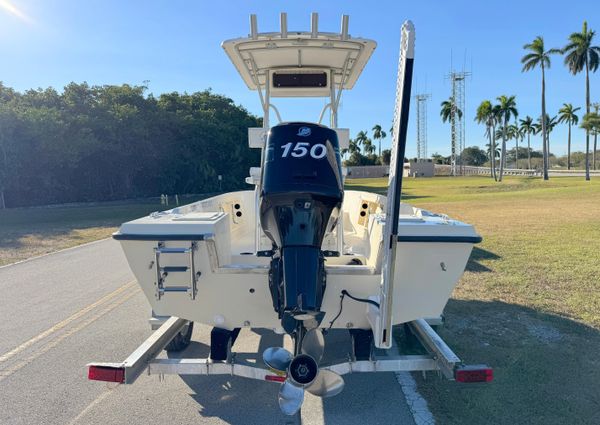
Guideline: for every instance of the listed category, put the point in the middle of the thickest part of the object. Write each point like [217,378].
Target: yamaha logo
[304,131]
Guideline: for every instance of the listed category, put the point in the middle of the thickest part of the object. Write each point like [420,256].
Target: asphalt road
[61,311]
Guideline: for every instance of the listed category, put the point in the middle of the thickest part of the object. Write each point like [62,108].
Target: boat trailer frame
[439,358]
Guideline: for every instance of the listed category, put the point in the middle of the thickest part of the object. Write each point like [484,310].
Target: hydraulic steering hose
[345,293]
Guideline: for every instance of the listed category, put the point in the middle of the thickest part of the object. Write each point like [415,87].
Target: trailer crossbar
[207,367]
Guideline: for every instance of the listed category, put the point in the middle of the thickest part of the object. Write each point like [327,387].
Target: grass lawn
[27,232]
[529,302]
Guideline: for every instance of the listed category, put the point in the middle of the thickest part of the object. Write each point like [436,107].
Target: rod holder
[283,24]
[253,27]
[314,24]
[344,32]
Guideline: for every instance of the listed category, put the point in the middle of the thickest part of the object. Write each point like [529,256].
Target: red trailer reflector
[105,373]
[474,373]
[275,378]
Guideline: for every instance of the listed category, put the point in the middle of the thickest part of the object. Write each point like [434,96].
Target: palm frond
[530,57]
[593,60]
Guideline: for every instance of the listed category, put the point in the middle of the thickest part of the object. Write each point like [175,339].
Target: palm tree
[485,115]
[511,132]
[549,124]
[496,151]
[591,123]
[580,55]
[515,132]
[361,138]
[507,108]
[368,146]
[539,56]
[527,128]
[450,112]
[353,146]
[378,134]
[596,107]
[521,134]
[567,115]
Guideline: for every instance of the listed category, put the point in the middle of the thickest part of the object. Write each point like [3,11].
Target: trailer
[439,357]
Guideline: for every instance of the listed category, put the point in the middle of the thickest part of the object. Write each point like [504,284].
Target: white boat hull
[232,289]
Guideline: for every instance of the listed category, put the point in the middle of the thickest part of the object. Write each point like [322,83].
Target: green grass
[529,302]
[27,232]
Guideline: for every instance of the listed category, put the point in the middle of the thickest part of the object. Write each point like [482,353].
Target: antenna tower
[457,120]
[421,100]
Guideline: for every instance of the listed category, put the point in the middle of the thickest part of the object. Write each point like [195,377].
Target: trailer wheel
[182,339]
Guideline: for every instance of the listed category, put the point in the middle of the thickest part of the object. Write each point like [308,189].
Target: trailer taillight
[108,374]
[474,373]
[275,378]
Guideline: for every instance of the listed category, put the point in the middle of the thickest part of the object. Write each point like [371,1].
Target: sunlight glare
[13,10]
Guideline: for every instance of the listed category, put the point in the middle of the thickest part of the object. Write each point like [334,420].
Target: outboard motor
[302,191]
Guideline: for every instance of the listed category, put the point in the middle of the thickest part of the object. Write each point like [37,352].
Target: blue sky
[175,45]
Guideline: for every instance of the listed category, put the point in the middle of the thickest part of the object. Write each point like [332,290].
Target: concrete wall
[367,171]
[420,169]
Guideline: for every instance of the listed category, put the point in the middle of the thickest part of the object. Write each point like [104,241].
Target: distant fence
[573,172]
[468,170]
[373,171]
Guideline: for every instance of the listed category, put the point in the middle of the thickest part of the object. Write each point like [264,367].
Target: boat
[296,253]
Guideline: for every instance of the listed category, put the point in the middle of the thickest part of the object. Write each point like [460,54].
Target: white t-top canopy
[261,55]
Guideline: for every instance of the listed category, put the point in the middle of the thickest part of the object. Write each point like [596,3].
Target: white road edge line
[90,406]
[52,253]
[416,403]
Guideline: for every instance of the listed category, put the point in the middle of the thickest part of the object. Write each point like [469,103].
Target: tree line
[363,151]
[97,143]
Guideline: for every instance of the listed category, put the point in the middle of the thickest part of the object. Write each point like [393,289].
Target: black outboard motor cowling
[302,191]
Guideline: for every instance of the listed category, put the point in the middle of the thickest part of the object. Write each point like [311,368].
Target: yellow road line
[65,322]
[9,371]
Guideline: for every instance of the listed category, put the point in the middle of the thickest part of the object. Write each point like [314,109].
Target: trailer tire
[182,339]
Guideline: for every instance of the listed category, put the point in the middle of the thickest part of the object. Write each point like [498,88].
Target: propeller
[303,372]
[313,344]
[277,359]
